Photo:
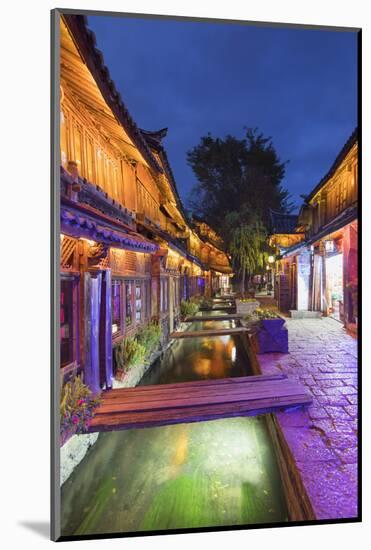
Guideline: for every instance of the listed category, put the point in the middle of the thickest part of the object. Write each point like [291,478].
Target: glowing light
[181,448]
[233,354]
[89,241]
[329,246]
[271,259]
[203,367]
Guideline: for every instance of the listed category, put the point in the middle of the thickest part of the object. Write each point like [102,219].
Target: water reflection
[201,357]
[221,472]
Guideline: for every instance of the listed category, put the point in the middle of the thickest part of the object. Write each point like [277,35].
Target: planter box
[246,308]
[272,336]
[272,325]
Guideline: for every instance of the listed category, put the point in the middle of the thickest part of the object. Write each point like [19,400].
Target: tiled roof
[154,140]
[78,225]
[294,249]
[282,224]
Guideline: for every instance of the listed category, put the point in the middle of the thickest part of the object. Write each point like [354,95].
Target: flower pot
[246,308]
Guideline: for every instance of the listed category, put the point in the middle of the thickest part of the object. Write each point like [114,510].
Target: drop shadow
[41,528]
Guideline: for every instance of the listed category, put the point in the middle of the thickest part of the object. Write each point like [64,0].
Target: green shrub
[149,337]
[261,314]
[76,407]
[188,307]
[128,353]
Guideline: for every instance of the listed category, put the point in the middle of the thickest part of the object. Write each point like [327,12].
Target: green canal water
[205,474]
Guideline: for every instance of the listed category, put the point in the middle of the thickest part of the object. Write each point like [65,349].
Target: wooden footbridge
[208,332]
[162,404]
[226,317]
[150,406]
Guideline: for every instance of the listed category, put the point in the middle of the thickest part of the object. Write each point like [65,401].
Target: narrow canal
[216,473]
[200,358]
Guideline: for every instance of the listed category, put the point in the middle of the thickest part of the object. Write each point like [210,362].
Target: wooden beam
[208,332]
[150,406]
[225,317]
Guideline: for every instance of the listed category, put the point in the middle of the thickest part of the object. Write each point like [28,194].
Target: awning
[293,250]
[77,225]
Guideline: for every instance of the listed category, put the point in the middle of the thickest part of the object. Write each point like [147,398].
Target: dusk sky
[297,86]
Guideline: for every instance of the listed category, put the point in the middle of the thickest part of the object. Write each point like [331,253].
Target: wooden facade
[128,253]
[319,272]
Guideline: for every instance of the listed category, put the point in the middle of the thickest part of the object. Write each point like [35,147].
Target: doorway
[334,287]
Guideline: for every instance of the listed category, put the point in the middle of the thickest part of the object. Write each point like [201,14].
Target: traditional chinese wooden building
[320,271]
[285,239]
[128,253]
[214,257]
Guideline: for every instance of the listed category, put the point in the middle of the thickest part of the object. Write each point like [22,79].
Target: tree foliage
[238,182]
[234,174]
[247,245]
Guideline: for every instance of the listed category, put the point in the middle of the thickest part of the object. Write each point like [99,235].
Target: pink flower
[75,419]
[81,402]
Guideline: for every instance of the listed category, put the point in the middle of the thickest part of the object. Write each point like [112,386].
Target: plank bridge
[159,405]
[226,317]
[208,332]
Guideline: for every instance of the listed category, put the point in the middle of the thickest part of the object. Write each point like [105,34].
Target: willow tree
[247,246]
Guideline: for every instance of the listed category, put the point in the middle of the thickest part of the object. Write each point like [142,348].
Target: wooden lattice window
[67,252]
[116,300]
[68,327]
[129,295]
[140,263]
[138,301]
[130,261]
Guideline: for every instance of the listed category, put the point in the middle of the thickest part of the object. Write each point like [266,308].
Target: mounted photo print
[205,185]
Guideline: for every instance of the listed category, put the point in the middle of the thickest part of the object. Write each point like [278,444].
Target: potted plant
[77,407]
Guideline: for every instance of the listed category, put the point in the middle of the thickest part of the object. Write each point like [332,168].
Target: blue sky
[298,86]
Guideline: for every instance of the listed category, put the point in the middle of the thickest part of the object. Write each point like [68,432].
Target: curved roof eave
[85,42]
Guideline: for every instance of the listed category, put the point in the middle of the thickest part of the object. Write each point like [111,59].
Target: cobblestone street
[323,438]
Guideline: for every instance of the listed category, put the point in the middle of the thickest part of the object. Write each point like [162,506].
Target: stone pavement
[322,438]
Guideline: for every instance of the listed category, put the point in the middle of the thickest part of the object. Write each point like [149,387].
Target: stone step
[305,314]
